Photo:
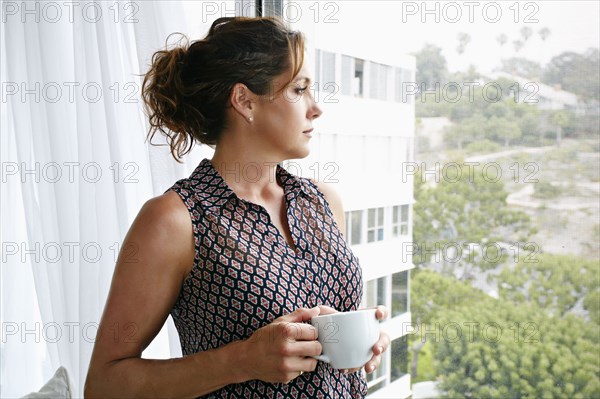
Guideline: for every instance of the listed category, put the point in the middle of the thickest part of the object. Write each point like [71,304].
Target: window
[400,293]
[379,80]
[398,83]
[357,87]
[400,220]
[347,76]
[354,227]
[403,82]
[399,360]
[325,71]
[377,379]
[376,294]
[375,225]
[269,8]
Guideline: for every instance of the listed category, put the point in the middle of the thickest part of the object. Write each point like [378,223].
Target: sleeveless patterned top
[245,275]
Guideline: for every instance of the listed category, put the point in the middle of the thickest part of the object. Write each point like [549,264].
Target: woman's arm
[157,254]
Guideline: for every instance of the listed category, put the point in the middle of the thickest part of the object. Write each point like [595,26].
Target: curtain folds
[75,172]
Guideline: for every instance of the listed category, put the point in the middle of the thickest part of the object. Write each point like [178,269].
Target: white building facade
[363,140]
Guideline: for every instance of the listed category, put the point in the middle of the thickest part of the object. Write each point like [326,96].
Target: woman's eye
[301,90]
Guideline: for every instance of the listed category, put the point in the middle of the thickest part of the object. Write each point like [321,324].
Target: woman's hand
[380,346]
[282,350]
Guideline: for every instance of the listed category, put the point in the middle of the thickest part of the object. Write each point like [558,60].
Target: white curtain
[75,172]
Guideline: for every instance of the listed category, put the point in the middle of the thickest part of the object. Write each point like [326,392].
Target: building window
[269,8]
[399,360]
[354,227]
[325,71]
[400,220]
[379,80]
[375,225]
[403,82]
[357,86]
[399,293]
[376,292]
[378,378]
[347,75]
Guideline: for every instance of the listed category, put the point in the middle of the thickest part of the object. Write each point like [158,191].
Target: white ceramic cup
[347,338]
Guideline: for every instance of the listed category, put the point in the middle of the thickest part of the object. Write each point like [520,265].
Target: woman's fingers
[327,309]
[303,349]
[300,315]
[381,313]
[380,346]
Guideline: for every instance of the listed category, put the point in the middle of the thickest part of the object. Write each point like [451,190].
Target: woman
[242,253]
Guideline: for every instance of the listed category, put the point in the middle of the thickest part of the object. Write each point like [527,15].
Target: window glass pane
[272,8]
[371,293]
[399,293]
[379,216]
[395,231]
[379,234]
[373,81]
[398,85]
[370,236]
[318,69]
[404,213]
[328,76]
[379,371]
[404,228]
[395,214]
[381,292]
[358,77]
[399,360]
[372,214]
[347,78]
[407,78]
[384,71]
[356,233]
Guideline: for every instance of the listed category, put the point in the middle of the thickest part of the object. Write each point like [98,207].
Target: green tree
[561,119]
[492,348]
[431,66]
[544,33]
[463,209]
[522,67]
[577,73]
[468,131]
[555,283]
[463,41]
[526,33]
[503,129]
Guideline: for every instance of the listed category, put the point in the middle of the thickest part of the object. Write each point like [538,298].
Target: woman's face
[284,121]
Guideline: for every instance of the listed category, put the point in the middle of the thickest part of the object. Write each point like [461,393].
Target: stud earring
[250,118]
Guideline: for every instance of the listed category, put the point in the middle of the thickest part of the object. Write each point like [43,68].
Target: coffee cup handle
[323,358]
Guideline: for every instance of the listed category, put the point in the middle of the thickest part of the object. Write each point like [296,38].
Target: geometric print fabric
[245,275]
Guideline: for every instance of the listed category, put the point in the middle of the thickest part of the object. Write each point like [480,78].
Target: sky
[405,26]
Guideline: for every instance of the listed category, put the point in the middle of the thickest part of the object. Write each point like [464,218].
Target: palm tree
[501,39]
[526,33]
[544,33]
[463,40]
[518,45]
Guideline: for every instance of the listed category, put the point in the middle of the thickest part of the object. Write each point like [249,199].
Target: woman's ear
[242,100]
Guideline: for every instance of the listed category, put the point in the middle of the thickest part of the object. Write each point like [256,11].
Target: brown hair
[187,88]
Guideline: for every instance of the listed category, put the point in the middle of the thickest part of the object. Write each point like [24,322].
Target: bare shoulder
[167,220]
[335,202]
[156,255]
